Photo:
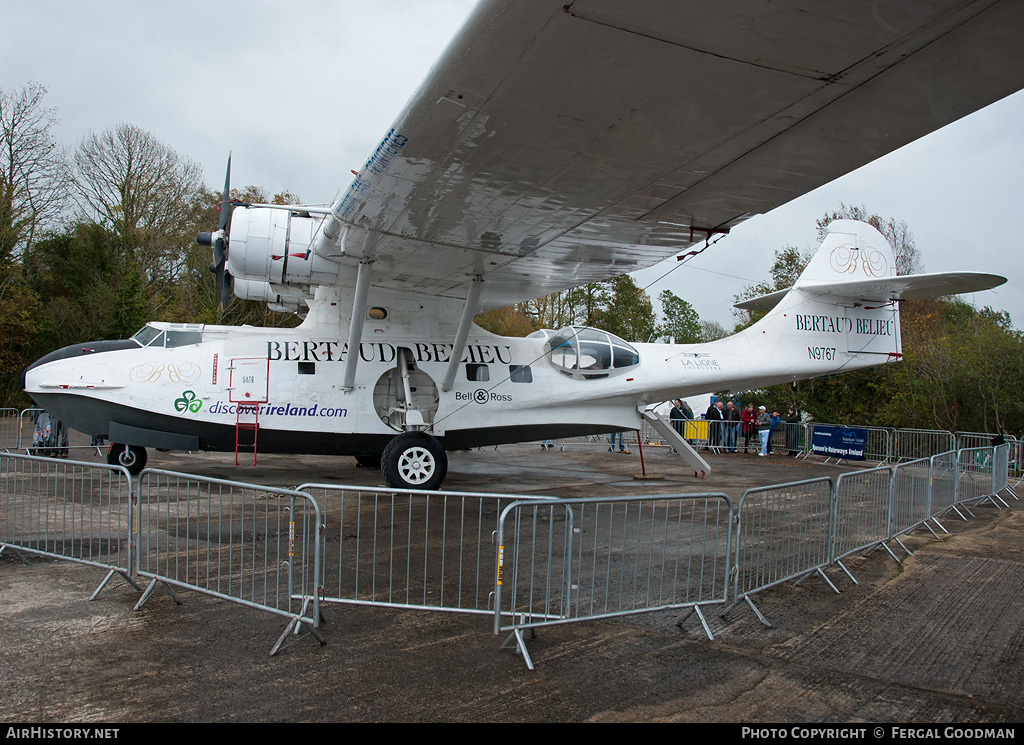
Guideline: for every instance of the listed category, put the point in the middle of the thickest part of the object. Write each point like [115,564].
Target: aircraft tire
[134,459]
[414,460]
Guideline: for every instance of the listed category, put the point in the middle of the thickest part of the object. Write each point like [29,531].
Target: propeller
[219,242]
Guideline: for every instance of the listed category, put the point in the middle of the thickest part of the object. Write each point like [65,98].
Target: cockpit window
[183,338]
[150,336]
[585,353]
[147,334]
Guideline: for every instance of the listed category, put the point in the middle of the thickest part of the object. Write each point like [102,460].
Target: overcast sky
[301,92]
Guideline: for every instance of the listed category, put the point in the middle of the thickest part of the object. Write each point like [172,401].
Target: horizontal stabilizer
[909,287]
[763,302]
[886,289]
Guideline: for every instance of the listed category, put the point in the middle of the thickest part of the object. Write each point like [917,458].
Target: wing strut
[355,331]
[468,312]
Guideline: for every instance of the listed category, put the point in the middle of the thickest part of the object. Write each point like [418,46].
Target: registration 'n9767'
[821,353]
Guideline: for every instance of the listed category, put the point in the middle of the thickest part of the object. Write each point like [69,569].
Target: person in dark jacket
[731,426]
[714,418]
[793,431]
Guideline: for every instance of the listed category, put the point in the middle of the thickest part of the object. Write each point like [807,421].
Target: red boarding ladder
[248,387]
[253,426]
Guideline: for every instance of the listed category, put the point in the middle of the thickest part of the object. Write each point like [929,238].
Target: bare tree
[34,180]
[144,192]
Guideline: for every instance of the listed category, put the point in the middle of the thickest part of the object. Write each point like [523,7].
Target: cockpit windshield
[150,336]
[586,353]
[147,334]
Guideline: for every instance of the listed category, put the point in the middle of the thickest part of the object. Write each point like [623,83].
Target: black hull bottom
[147,429]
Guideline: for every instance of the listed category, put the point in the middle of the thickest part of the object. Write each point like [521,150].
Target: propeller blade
[226,200]
[218,241]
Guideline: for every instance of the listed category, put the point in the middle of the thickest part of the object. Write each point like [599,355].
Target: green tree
[630,313]
[19,327]
[785,270]
[681,320]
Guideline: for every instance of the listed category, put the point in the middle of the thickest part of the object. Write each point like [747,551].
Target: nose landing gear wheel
[414,460]
[131,457]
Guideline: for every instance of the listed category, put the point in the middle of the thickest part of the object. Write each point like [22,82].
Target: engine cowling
[271,258]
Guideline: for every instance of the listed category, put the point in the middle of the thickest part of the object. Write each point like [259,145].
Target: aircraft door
[249,381]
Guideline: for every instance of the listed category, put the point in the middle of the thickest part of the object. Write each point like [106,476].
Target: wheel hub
[416,465]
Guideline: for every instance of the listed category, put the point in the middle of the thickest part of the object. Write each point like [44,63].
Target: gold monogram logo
[846,259]
[151,372]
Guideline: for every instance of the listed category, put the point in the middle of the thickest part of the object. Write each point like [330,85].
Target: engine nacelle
[272,247]
[277,297]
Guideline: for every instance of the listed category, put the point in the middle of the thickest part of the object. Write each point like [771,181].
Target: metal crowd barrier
[912,444]
[10,427]
[553,561]
[877,447]
[783,532]
[912,487]
[862,512]
[879,443]
[580,559]
[411,549]
[60,443]
[249,544]
[944,481]
[80,512]
[790,436]
[1001,472]
[977,480]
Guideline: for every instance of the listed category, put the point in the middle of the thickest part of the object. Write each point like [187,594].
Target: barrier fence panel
[862,511]
[68,510]
[246,543]
[1001,471]
[10,426]
[944,477]
[977,473]
[789,437]
[412,549]
[783,533]
[41,434]
[1008,460]
[879,443]
[912,444]
[579,559]
[810,438]
[911,493]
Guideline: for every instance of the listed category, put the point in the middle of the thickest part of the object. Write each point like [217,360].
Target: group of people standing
[726,422]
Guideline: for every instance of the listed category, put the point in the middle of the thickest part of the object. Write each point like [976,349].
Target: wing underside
[559,143]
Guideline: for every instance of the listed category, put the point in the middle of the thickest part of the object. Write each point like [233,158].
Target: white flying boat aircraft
[555,143]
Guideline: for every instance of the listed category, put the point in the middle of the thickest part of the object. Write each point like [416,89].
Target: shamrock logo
[188,401]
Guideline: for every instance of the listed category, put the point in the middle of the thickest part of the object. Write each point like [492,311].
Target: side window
[477,373]
[520,373]
[183,338]
[307,368]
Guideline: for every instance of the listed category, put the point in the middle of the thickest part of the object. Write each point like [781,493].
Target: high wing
[557,143]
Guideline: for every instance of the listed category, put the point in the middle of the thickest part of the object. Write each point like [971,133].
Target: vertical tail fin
[827,320]
[851,251]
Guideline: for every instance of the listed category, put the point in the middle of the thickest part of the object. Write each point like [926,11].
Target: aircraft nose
[78,350]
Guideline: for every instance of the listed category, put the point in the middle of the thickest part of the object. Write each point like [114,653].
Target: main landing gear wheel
[414,460]
[131,457]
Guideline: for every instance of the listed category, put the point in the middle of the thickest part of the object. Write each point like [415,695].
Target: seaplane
[555,143]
